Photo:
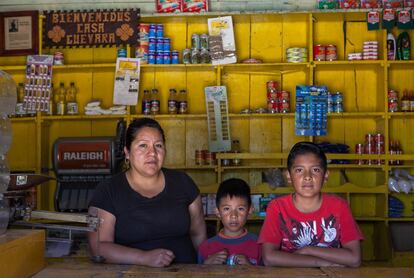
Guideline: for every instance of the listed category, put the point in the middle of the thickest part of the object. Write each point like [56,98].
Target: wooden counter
[21,253]
[83,268]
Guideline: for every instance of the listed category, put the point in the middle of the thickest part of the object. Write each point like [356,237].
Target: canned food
[284,96]
[272,85]
[160,45]
[199,157]
[152,45]
[379,138]
[122,53]
[167,44]
[143,29]
[273,106]
[195,56]
[319,52]
[204,41]
[359,149]
[272,94]
[330,52]
[151,57]
[159,58]
[152,31]
[195,41]
[167,57]
[174,57]
[284,107]
[369,138]
[205,56]
[160,30]
[186,56]
[210,158]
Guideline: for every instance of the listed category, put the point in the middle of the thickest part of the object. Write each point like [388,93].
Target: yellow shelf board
[346,62]
[248,167]
[84,66]
[402,166]
[356,115]
[154,66]
[401,219]
[12,68]
[262,115]
[174,116]
[82,117]
[23,119]
[370,218]
[261,65]
[355,189]
[400,114]
[402,62]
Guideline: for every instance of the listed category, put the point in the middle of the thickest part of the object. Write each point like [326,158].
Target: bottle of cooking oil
[71,103]
[60,99]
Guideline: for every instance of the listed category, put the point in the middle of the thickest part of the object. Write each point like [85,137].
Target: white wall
[148,6]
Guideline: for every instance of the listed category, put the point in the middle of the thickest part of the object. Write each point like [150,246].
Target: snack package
[408,3]
[392,3]
[168,6]
[349,4]
[371,4]
[327,4]
[195,5]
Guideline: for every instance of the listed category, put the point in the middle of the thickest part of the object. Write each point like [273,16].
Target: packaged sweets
[371,4]
[408,3]
[168,6]
[195,5]
[349,4]
[327,4]
[392,3]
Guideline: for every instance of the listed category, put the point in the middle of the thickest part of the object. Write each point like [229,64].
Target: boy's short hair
[233,188]
[302,148]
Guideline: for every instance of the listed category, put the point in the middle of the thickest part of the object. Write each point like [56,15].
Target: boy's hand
[217,258]
[242,260]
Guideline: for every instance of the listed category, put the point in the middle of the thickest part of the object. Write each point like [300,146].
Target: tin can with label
[186,56]
[151,57]
[204,41]
[195,41]
[160,45]
[284,107]
[167,57]
[159,58]
[174,57]
[152,31]
[195,56]
[167,44]
[272,85]
[319,52]
[359,149]
[199,158]
[273,106]
[330,52]
[159,30]
[152,45]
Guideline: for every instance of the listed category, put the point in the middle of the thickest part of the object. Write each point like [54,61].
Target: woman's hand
[159,257]
[217,258]
[242,259]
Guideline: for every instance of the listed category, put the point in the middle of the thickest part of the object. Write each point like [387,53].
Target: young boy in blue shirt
[309,228]
[233,245]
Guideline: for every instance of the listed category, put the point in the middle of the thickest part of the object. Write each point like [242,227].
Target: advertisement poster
[126,85]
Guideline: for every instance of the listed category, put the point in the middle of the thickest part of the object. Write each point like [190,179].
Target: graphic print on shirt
[296,234]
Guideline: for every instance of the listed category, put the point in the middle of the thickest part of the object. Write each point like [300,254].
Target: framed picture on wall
[19,33]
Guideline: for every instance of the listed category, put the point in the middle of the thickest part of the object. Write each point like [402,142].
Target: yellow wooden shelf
[23,119]
[401,114]
[370,218]
[82,117]
[356,115]
[346,62]
[262,115]
[401,219]
[13,68]
[86,66]
[192,167]
[402,62]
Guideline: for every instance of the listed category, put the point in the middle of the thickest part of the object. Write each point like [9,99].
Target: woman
[151,215]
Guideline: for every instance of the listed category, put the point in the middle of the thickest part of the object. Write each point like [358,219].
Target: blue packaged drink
[152,31]
[174,57]
[151,57]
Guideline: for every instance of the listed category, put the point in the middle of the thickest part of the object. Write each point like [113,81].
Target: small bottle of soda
[172,101]
[182,100]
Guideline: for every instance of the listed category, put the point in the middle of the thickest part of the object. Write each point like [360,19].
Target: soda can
[159,30]
[319,52]
[152,45]
[160,45]
[330,52]
[369,138]
[195,41]
[199,159]
[272,94]
[152,31]
[174,57]
[284,96]
[167,44]
[272,106]
[151,57]
[167,57]
[284,107]
[159,58]
[379,138]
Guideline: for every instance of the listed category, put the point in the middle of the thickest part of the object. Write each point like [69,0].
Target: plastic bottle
[61,99]
[403,47]
[155,102]
[392,152]
[391,47]
[183,104]
[146,102]
[398,151]
[71,103]
[405,102]
[172,101]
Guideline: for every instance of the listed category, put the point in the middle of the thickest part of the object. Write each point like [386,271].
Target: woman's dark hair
[302,148]
[233,188]
[138,124]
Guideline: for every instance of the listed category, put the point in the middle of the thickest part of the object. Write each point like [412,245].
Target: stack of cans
[277,101]
[199,52]
[392,100]
[154,48]
[370,51]
[297,55]
[324,52]
[374,144]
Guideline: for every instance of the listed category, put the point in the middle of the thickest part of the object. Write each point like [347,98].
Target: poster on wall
[19,33]
[91,28]
[126,85]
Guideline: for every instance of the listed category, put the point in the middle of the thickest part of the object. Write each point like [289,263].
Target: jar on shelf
[235,148]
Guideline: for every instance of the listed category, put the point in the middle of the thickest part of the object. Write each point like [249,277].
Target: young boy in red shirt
[233,245]
[309,228]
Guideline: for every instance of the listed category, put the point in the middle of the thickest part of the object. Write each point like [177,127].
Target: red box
[195,6]
[168,6]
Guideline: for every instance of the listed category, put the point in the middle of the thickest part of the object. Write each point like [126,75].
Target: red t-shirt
[332,225]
